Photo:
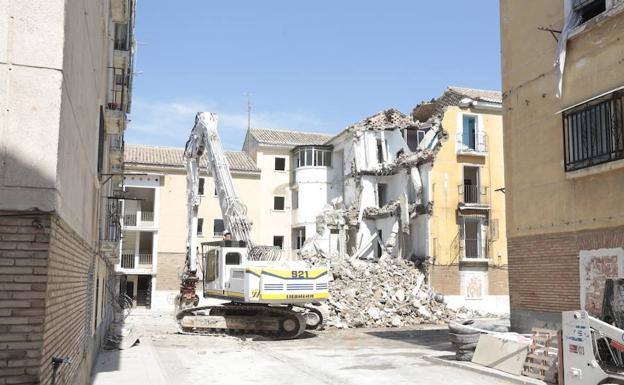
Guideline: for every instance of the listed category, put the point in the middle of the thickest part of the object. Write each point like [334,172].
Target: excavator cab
[228,274]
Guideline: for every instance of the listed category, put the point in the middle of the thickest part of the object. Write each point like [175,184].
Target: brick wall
[446,280]
[498,281]
[45,304]
[544,269]
[68,305]
[168,268]
[23,268]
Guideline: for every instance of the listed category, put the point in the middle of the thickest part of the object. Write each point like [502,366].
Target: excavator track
[236,318]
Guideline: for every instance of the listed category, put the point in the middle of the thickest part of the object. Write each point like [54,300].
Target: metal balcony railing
[119,86]
[139,219]
[131,260]
[111,232]
[476,195]
[127,260]
[147,216]
[145,259]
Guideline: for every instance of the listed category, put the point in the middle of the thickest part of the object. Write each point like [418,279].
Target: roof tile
[140,154]
[288,138]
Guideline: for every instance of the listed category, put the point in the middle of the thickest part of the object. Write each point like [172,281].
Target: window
[313,156]
[413,138]
[588,9]
[200,226]
[299,237]
[218,227]
[594,132]
[469,133]
[211,265]
[121,37]
[280,164]
[200,188]
[295,199]
[278,240]
[278,203]
[381,156]
[232,258]
[471,232]
[382,199]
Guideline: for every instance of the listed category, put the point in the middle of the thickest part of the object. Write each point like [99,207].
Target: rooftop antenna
[248,94]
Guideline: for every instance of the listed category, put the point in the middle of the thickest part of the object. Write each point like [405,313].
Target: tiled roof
[138,154]
[481,95]
[453,97]
[288,138]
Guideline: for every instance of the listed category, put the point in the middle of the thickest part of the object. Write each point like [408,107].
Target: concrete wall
[50,107]
[549,211]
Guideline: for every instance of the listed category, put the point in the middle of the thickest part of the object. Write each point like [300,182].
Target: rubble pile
[382,293]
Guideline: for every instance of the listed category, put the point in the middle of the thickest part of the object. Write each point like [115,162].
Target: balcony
[475,145]
[110,233]
[471,196]
[138,261]
[139,219]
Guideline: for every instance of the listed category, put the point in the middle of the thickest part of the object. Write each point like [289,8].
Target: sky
[314,66]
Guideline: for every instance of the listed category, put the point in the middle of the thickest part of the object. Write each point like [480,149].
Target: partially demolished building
[396,188]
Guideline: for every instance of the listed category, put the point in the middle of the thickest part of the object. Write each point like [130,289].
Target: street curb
[484,370]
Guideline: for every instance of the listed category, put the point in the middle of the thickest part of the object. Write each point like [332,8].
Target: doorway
[144,290]
[471,188]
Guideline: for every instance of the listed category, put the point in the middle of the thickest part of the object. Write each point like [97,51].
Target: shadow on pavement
[432,339]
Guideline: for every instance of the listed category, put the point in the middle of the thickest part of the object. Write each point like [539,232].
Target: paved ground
[363,356]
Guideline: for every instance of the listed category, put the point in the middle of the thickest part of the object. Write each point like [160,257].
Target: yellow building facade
[467,239]
[564,155]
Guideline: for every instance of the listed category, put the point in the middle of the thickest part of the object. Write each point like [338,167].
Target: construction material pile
[382,293]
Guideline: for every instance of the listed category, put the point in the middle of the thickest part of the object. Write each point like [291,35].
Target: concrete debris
[389,292]
[394,207]
[403,162]
[390,119]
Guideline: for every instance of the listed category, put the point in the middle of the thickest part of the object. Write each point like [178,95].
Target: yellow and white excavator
[267,293]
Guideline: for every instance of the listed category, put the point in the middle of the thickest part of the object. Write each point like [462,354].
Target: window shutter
[459,140]
[480,137]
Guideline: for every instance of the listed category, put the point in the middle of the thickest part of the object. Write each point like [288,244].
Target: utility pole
[248,94]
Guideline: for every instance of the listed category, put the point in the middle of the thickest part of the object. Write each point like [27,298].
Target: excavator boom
[262,286]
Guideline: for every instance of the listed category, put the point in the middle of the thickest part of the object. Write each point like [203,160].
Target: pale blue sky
[310,66]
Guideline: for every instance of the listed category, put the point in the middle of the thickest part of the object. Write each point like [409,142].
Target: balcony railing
[120,81]
[473,195]
[111,232]
[130,260]
[139,219]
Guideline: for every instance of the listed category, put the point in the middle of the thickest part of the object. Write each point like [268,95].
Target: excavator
[264,292]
